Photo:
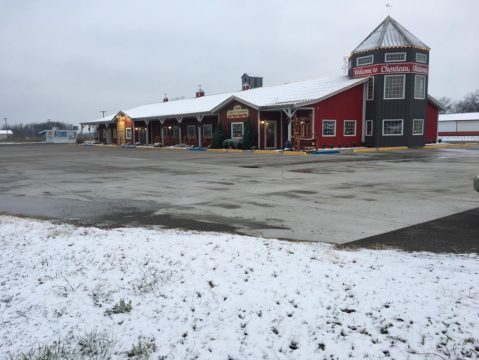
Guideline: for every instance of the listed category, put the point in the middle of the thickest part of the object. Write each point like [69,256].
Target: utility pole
[103,112]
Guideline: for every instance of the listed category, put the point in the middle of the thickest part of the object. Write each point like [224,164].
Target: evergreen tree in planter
[249,137]
[218,137]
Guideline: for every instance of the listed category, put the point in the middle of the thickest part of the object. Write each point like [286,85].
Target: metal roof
[295,94]
[390,34]
[459,116]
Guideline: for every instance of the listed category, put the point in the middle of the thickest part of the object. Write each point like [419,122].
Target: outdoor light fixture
[169,127]
[262,122]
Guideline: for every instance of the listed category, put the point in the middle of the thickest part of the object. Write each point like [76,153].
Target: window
[365,60]
[349,127]
[419,87]
[418,127]
[190,131]
[369,128]
[128,133]
[329,127]
[390,57]
[207,131]
[394,87]
[421,58]
[114,134]
[237,130]
[370,95]
[393,127]
[164,132]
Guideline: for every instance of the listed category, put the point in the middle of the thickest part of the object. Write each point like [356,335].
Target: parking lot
[335,198]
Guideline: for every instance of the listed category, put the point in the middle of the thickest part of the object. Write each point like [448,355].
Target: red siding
[459,133]
[226,123]
[347,105]
[432,116]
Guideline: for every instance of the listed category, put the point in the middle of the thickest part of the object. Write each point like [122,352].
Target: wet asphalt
[417,200]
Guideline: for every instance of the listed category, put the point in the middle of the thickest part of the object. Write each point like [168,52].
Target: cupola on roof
[390,34]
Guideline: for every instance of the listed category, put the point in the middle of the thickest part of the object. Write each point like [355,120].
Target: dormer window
[365,60]
[393,57]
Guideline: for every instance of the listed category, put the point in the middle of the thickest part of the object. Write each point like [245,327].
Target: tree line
[32,130]
[470,103]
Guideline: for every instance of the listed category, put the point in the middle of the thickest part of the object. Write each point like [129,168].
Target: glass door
[270,134]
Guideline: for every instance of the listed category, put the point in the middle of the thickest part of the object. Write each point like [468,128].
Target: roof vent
[200,92]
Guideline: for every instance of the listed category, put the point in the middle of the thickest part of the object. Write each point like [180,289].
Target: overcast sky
[66,60]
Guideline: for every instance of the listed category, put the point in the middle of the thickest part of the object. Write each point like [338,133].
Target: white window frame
[403,87]
[402,127]
[423,95]
[242,129]
[365,57]
[211,131]
[394,53]
[372,127]
[322,128]
[355,127]
[425,58]
[367,89]
[422,127]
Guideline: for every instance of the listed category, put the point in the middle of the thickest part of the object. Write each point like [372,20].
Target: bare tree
[470,103]
[447,103]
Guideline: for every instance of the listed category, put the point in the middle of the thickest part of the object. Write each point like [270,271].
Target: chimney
[200,92]
[165,99]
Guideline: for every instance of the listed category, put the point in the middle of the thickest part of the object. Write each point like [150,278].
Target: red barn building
[382,102]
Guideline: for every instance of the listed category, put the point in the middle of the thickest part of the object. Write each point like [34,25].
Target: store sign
[237,113]
[390,69]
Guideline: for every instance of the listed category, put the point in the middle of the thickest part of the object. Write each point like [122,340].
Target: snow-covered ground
[218,296]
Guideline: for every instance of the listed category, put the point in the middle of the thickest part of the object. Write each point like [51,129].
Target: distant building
[56,136]
[5,134]
[460,124]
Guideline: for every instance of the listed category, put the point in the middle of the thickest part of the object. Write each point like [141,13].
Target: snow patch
[219,296]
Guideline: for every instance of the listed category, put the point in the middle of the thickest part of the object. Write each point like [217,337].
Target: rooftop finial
[389,6]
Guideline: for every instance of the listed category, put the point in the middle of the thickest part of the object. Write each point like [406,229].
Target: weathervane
[389,6]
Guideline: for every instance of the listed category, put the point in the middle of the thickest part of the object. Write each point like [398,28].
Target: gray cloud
[66,60]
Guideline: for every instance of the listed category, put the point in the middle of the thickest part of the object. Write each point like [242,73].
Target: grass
[91,346]
[120,307]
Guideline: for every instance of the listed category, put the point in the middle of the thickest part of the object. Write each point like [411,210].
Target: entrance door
[270,134]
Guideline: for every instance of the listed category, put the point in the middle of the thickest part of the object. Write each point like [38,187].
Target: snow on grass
[218,296]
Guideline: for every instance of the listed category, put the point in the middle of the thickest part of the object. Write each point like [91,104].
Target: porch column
[134,140]
[200,119]
[259,130]
[162,121]
[179,119]
[98,132]
[147,122]
[289,113]
[81,130]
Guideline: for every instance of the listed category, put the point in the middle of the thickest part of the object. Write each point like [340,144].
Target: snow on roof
[390,34]
[6,132]
[284,95]
[103,120]
[459,116]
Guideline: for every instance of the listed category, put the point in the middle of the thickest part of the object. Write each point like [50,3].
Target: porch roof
[288,95]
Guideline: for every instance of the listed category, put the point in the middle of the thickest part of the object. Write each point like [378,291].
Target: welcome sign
[390,69]
[237,113]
